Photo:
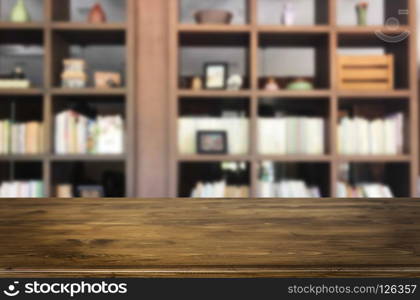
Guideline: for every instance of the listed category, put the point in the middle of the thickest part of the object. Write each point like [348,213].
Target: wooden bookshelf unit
[252,36]
[58,33]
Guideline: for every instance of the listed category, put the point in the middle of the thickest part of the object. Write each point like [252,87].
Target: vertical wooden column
[47,104]
[131,55]
[151,109]
[412,52]
[333,107]
[173,54]
[254,38]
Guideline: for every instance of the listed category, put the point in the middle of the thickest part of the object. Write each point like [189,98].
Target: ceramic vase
[361,16]
[271,85]
[97,14]
[19,12]
[197,83]
[288,15]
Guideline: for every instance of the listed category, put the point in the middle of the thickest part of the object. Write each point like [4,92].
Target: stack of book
[291,135]
[287,189]
[237,130]
[14,83]
[15,80]
[363,190]
[78,134]
[22,189]
[371,137]
[219,189]
[21,138]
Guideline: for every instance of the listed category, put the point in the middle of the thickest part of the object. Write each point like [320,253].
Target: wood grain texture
[152,104]
[365,72]
[202,238]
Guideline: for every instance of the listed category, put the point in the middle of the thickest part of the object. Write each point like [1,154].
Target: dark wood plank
[89,26]
[226,237]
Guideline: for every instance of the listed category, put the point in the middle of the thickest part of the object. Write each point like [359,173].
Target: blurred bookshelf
[248,44]
[60,31]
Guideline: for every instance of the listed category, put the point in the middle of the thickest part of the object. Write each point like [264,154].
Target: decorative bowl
[213,17]
[300,85]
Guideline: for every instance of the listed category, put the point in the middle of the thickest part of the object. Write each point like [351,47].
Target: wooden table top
[207,238]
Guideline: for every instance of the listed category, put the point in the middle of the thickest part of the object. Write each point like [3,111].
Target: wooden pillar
[151,115]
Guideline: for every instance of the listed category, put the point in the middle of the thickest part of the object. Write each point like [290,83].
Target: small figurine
[361,10]
[288,15]
[235,82]
[97,14]
[271,85]
[18,73]
[19,13]
[197,83]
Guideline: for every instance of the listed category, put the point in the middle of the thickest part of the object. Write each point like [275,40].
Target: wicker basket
[213,17]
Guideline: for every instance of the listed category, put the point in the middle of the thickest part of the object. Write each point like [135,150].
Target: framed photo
[90,191]
[212,142]
[107,79]
[215,76]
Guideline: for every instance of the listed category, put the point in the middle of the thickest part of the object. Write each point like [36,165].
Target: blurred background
[221,98]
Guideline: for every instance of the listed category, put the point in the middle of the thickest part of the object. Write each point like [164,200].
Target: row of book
[22,189]
[288,189]
[76,133]
[291,135]
[21,138]
[364,190]
[236,129]
[219,189]
[377,137]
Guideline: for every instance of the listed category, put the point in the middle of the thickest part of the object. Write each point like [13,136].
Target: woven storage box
[366,72]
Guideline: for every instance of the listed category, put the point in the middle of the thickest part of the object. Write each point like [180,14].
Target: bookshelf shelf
[21,92]
[27,157]
[58,34]
[313,94]
[372,29]
[21,26]
[326,38]
[309,30]
[87,157]
[72,26]
[397,94]
[89,92]
[295,158]
[213,94]
[215,158]
[187,28]
[375,158]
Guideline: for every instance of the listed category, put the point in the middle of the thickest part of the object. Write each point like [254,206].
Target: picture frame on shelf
[212,142]
[215,75]
[107,79]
